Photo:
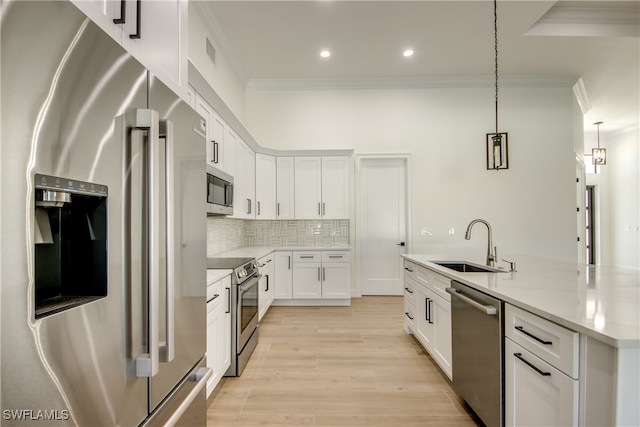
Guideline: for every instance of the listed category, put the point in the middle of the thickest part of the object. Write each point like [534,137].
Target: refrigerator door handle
[140,120]
[167,348]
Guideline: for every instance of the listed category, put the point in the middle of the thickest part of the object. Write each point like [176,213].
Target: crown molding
[409,83]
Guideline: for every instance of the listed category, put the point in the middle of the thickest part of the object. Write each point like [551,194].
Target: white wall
[531,206]
[618,198]
[220,77]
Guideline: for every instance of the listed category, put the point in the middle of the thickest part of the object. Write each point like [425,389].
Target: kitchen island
[601,304]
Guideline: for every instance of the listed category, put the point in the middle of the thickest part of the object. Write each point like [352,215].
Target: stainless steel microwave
[219,192]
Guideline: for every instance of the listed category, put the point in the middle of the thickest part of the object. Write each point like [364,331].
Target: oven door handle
[243,287]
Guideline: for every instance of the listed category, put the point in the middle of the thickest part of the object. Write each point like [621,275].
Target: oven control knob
[242,273]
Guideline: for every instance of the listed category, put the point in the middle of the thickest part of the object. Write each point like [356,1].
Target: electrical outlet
[426,232]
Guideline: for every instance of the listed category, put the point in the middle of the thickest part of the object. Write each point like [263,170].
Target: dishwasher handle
[487,309]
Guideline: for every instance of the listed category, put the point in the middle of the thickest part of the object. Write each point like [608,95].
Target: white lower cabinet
[315,275]
[266,285]
[218,330]
[541,371]
[283,275]
[536,393]
[427,311]
[432,324]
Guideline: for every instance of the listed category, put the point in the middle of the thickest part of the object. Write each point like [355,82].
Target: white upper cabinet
[335,187]
[285,188]
[322,187]
[308,187]
[244,188]
[154,32]
[206,112]
[265,186]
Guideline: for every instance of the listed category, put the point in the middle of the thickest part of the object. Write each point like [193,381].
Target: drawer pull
[408,290]
[408,315]
[214,297]
[531,365]
[335,256]
[408,269]
[529,334]
[306,256]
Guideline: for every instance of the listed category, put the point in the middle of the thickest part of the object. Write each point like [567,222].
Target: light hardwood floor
[338,366]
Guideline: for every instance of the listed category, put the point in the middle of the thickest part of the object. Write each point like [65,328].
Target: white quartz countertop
[258,252]
[599,301]
[213,275]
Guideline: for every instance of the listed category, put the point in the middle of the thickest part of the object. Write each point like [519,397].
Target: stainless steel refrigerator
[103,231]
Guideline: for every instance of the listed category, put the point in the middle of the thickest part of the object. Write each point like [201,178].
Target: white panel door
[382,225]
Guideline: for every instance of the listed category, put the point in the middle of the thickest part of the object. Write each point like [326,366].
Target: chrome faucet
[491,250]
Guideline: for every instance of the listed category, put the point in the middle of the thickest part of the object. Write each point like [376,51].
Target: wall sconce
[497,151]
[498,142]
[599,155]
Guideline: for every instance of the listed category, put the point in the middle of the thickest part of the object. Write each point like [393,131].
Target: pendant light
[599,155]
[497,143]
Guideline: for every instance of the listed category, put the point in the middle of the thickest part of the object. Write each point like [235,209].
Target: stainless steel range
[244,309]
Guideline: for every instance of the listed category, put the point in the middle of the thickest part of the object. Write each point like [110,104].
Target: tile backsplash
[225,234]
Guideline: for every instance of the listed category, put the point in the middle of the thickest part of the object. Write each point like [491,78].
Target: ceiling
[595,40]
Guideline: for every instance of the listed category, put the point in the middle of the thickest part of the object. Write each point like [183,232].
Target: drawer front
[336,256]
[410,269]
[410,312]
[307,256]
[439,284]
[217,288]
[551,342]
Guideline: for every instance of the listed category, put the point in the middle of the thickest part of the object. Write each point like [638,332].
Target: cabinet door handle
[408,315]
[324,210]
[258,203]
[136,35]
[123,13]
[278,209]
[318,274]
[531,365]
[529,334]
[319,208]
[248,206]
[267,288]
[324,276]
[428,302]
[426,310]
[228,300]
[216,154]
[289,262]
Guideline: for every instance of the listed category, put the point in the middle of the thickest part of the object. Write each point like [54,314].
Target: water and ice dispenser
[70,236]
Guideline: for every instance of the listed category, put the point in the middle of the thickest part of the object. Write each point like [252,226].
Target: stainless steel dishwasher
[478,350]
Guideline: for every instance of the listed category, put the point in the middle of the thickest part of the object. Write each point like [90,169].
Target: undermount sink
[467,267]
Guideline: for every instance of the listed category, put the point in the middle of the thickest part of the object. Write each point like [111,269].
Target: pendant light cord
[495,35]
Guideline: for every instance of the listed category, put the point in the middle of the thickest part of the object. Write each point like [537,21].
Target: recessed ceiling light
[407,53]
[325,54]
